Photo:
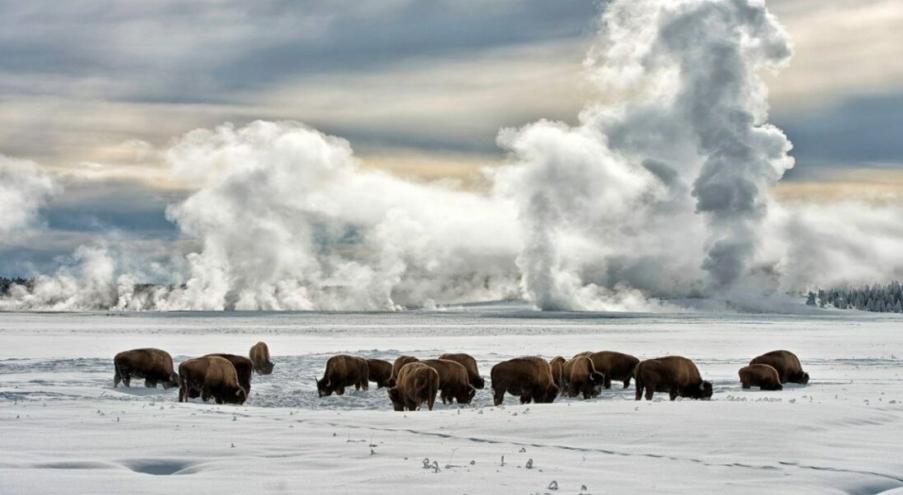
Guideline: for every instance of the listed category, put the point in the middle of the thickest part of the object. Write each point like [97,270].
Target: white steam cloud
[23,190]
[661,196]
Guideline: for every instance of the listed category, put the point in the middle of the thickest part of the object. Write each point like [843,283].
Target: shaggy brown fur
[557,366]
[763,376]
[417,383]
[615,366]
[530,378]
[210,376]
[582,377]
[380,372]
[260,356]
[470,364]
[343,371]
[154,365]
[454,384]
[396,367]
[243,367]
[787,364]
[673,374]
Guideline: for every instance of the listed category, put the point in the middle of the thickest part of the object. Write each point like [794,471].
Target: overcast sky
[92,89]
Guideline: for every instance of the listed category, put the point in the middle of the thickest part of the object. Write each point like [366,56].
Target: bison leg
[340,391]
[627,382]
[650,391]
[116,377]
[673,393]
[526,398]
[126,379]
[148,383]
[639,390]
[607,383]
[498,396]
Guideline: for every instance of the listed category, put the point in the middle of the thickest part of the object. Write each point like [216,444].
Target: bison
[243,367]
[763,376]
[673,374]
[210,376]
[787,365]
[154,365]
[557,366]
[260,357]
[380,371]
[615,366]
[581,377]
[470,364]
[530,378]
[343,371]
[396,367]
[416,383]
[454,384]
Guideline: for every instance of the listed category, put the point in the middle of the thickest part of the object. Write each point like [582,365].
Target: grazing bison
[530,378]
[581,377]
[470,364]
[210,376]
[243,367]
[787,365]
[454,384]
[673,374]
[557,366]
[260,357]
[615,366]
[416,383]
[763,376]
[343,371]
[380,371]
[396,367]
[154,365]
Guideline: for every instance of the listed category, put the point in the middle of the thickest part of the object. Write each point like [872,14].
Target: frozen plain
[64,429]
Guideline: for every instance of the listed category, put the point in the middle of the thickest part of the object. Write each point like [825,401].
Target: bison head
[266,368]
[324,388]
[549,395]
[803,378]
[479,382]
[705,389]
[172,381]
[395,397]
[597,378]
[466,395]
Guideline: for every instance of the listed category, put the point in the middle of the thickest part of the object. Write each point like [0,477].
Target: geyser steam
[660,192]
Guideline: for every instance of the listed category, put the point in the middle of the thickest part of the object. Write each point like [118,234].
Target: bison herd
[413,382]
[226,378]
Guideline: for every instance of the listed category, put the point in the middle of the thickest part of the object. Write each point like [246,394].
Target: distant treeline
[878,298]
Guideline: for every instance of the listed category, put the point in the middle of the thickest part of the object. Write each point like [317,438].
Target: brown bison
[530,378]
[615,366]
[210,376]
[380,371]
[787,365]
[557,366]
[154,365]
[396,367]
[343,371]
[581,377]
[673,374]
[260,357]
[416,383]
[763,376]
[243,367]
[454,384]
[470,364]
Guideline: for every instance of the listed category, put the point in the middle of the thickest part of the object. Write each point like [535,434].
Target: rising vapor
[658,197]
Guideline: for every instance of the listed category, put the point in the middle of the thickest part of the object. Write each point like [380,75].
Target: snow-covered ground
[64,429]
